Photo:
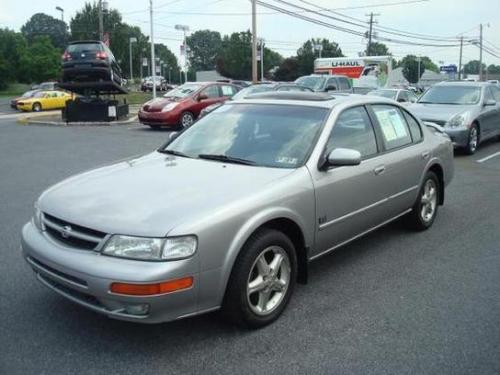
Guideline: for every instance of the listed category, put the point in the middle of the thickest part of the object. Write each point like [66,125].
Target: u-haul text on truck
[367,71]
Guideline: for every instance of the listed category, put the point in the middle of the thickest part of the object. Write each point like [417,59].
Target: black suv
[90,61]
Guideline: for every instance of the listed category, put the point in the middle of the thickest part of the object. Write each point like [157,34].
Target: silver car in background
[399,95]
[468,111]
[229,213]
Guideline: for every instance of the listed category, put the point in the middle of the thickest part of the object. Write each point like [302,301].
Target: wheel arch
[437,169]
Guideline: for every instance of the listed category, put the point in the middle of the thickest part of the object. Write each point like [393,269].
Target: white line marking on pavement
[488,157]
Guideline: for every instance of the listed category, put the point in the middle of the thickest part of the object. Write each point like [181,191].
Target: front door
[349,199]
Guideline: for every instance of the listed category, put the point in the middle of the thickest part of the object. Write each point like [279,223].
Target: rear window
[84,47]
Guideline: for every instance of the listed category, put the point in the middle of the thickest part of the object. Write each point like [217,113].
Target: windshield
[252,90]
[183,91]
[452,95]
[391,94]
[314,83]
[29,94]
[268,135]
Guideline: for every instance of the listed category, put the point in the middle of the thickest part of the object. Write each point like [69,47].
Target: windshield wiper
[174,152]
[227,159]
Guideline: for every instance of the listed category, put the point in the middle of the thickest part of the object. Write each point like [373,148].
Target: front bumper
[85,276]
[459,136]
[159,118]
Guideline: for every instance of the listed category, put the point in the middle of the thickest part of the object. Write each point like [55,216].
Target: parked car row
[160,83]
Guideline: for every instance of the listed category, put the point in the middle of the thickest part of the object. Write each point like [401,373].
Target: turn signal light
[152,289]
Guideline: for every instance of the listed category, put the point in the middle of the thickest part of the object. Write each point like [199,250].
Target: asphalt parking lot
[394,302]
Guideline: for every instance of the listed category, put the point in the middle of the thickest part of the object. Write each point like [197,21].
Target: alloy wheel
[269,280]
[187,120]
[473,139]
[428,201]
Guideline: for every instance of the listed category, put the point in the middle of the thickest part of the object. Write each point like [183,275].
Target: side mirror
[401,100]
[172,136]
[202,97]
[331,88]
[343,157]
[490,102]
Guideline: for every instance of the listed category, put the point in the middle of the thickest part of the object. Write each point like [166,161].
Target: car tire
[425,209]
[187,119]
[260,286]
[37,107]
[472,140]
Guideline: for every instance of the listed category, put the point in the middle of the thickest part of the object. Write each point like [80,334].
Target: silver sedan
[468,111]
[229,213]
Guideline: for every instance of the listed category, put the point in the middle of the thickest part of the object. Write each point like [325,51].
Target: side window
[344,84]
[332,82]
[395,132]
[54,95]
[211,91]
[415,130]
[496,93]
[487,94]
[403,97]
[413,98]
[353,130]
[228,90]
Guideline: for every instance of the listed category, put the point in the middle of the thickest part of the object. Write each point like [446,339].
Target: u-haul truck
[367,71]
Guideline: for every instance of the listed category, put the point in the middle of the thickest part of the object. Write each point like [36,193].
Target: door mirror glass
[172,136]
[331,87]
[490,102]
[343,156]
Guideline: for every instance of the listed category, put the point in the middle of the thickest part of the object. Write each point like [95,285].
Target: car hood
[152,194]
[438,112]
[158,103]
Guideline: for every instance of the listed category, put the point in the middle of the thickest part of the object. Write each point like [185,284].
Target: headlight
[457,120]
[169,107]
[145,248]
[37,217]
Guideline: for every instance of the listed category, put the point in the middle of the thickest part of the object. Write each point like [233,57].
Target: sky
[285,34]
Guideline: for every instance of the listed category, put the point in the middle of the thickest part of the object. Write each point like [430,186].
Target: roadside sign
[448,68]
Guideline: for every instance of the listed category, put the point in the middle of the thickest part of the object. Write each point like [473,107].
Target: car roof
[313,99]
[86,42]
[463,83]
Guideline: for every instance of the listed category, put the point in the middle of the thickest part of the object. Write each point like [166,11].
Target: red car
[182,105]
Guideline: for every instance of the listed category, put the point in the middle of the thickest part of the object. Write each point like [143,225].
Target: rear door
[404,155]
[496,95]
[489,115]
[51,101]
[349,199]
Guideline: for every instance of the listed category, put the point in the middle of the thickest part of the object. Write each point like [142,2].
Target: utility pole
[261,59]
[480,52]
[185,29]
[460,59]
[419,58]
[101,22]
[370,32]
[153,66]
[254,41]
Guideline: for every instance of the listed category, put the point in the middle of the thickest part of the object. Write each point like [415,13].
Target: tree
[472,67]
[205,46]
[43,24]
[40,61]
[494,69]
[377,49]
[235,59]
[12,45]
[288,70]
[307,54]
[410,67]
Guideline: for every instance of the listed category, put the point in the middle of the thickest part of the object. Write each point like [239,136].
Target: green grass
[137,97]
[15,89]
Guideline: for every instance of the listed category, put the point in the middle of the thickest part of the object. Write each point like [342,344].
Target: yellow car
[44,100]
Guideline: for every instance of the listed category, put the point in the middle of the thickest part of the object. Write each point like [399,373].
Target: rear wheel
[37,107]
[473,140]
[262,280]
[425,208]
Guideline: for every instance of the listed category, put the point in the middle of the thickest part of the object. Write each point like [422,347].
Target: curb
[31,121]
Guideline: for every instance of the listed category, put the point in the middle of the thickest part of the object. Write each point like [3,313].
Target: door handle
[379,170]
[426,154]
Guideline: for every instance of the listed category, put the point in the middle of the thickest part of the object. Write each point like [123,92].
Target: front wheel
[425,208]
[262,280]
[473,140]
[187,119]
[37,107]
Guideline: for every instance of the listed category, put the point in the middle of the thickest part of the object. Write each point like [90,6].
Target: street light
[130,41]
[62,12]
[185,29]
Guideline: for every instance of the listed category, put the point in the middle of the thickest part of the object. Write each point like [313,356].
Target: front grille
[72,235]
[62,275]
